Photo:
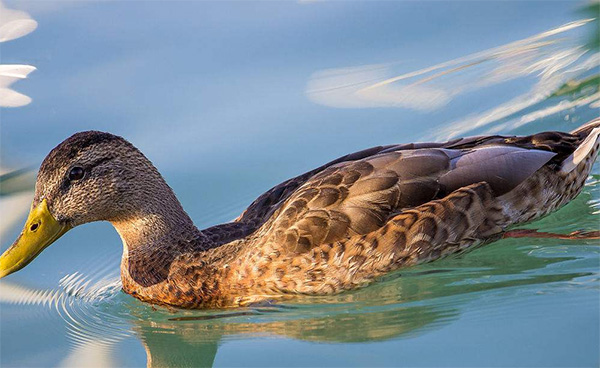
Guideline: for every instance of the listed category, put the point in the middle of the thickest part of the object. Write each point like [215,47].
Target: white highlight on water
[550,57]
[14,24]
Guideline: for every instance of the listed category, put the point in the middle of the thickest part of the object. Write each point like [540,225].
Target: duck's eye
[76,173]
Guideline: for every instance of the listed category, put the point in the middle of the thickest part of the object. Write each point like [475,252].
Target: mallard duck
[335,228]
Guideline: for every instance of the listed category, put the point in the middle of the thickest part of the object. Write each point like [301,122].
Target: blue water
[231,98]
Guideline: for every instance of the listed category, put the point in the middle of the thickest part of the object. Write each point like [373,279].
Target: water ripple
[84,304]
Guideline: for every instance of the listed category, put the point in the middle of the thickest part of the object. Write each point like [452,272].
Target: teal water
[229,99]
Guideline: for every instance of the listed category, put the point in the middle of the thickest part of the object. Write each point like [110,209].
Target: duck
[336,228]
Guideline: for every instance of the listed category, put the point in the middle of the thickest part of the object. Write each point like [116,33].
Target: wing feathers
[358,193]
[502,167]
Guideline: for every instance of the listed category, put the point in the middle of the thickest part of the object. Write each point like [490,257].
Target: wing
[356,193]
[266,204]
[355,198]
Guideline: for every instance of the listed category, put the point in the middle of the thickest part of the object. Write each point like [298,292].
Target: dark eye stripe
[66,182]
[89,167]
[99,162]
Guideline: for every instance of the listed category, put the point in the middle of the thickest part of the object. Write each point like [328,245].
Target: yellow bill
[41,230]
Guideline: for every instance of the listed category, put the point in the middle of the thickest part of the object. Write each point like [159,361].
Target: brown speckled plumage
[332,229]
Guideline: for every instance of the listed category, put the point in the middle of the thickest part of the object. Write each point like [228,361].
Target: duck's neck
[152,228]
[153,236]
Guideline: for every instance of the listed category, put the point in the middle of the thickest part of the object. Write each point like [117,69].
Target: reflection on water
[14,24]
[553,57]
[99,319]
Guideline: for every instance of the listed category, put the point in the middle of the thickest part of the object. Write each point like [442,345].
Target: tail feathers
[588,148]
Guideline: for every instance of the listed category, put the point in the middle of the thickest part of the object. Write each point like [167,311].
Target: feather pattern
[356,218]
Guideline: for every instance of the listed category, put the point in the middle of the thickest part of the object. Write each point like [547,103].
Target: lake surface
[230,98]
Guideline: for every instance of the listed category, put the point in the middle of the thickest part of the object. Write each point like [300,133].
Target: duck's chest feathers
[149,265]
[185,274]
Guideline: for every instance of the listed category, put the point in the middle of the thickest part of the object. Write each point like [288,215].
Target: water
[228,99]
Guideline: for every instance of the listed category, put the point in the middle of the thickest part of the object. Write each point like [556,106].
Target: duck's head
[90,176]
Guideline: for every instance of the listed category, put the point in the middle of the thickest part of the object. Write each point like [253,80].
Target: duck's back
[365,214]
[356,193]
